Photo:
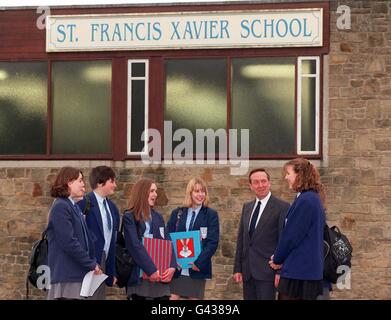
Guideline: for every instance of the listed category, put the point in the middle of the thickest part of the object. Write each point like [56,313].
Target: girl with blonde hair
[195,215]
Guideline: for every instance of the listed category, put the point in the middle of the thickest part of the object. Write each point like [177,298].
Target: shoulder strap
[178,217]
[86,209]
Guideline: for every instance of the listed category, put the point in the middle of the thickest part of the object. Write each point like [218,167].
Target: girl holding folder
[141,220]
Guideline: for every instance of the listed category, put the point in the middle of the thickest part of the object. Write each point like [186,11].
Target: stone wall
[356,171]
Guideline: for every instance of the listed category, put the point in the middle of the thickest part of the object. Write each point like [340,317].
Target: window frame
[300,76]
[129,106]
[155,99]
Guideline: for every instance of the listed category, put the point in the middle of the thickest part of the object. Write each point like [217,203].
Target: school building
[217,89]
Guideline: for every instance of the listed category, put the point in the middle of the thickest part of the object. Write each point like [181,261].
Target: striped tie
[108,217]
[191,225]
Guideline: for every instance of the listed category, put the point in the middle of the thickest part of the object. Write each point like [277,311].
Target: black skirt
[185,286]
[300,289]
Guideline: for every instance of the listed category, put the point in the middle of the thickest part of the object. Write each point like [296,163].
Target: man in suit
[102,219]
[260,226]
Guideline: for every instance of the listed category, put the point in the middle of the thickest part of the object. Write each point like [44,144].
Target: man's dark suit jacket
[253,255]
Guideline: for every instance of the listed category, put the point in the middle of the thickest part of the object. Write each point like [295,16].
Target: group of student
[279,247]
[80,242]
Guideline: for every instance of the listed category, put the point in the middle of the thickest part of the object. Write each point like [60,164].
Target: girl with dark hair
[141,220]
[71,249]
[299,253]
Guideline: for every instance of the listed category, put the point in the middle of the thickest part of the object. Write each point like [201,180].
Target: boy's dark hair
[101,174]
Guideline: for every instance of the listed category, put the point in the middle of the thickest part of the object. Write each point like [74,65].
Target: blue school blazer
[135,247]
[208,218]
[300,248]
[95,225]
[70,256]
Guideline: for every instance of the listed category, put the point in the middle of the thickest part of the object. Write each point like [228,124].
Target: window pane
[23,107]
[81,107]
[196,95]
[138,69]
[138,115]
[263,100]
[308,67]
[308,104]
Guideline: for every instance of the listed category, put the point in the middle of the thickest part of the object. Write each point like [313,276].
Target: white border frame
[129,115]
[317,41]
[317,104]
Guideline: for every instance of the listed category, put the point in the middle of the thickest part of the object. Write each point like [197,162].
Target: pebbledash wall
[355,168]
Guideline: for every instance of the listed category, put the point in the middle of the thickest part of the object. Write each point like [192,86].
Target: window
[308,105]
[280,110]
[196,98]
[277,99]
[263,101]
[137,105]
[23,107]
[81,93]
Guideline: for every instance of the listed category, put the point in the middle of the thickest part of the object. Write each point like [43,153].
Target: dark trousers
[258,290]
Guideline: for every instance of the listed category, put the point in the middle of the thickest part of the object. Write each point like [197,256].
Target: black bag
[39,256]
[337,252]
[124,262]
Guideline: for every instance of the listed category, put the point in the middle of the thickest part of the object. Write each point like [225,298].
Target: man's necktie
[109,226]
[191,225]
[254,219]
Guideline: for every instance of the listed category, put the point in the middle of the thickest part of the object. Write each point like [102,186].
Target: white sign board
[185,30]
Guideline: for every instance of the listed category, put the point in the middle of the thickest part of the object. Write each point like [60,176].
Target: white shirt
[147,231]
[106,232]
[190,213]
[263,205]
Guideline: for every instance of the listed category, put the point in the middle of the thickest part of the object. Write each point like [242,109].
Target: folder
[187,247]
[160,252]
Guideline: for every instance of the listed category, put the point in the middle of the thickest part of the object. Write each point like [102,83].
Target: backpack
[39,257]
[337,252]
[124,262]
